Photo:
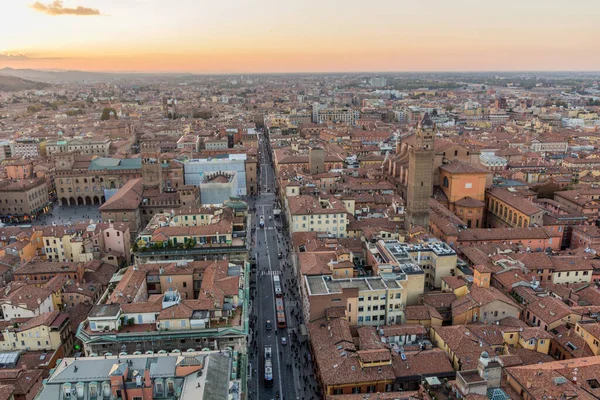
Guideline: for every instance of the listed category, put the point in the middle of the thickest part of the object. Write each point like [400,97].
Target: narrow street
[292,368]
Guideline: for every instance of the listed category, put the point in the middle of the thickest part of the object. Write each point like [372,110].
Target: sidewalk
[301,365]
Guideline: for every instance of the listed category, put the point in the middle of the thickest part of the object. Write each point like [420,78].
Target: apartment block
[311,214]
[23,200]
[362,301]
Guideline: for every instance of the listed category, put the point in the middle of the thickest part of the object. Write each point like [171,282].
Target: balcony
[199,250]
[147,333]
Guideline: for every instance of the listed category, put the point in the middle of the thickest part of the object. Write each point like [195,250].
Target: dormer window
[69,391]
[159,388]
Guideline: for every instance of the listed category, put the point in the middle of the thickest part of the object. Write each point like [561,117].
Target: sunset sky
[239,36]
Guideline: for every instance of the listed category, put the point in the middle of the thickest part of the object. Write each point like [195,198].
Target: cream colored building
[437,259]
[312,214]
[366,301]
[23,199]
[590,332]
[93,146]
[67,248]
[44,332]
[85,242]
[566,273]
[21,300]
[420,264]
[193,216]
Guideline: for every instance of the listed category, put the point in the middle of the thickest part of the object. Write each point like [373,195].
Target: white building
[196,169]
[549,147]
[21,300]
[26,147]
[311,214]
[93,146]
[342,115]
[378,82]
[493,162]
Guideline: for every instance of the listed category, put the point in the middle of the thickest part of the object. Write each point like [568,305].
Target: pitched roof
[337,358]
[459,167]
[466,346]
[554,379]
[422,363]
[129,197]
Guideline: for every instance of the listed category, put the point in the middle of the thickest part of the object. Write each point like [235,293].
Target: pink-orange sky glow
[241,36]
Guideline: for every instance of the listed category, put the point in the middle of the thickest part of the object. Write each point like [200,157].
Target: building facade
[23,200]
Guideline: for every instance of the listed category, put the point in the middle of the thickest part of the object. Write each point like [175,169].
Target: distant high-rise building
[315,112]
[420,174]
[378,82]
[500,103]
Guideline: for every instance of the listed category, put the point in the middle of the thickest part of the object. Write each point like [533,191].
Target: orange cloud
[12,57]
[56,8]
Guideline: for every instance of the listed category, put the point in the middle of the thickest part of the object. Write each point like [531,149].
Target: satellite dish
[183,119]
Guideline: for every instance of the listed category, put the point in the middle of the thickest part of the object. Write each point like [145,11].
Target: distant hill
[15,84]
[78,76]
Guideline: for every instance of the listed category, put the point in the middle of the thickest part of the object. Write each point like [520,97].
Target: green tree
[34,108]
[106,113]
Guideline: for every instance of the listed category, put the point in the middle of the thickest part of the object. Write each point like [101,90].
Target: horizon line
[60,70]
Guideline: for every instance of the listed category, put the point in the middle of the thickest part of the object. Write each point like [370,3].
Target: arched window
[446,183]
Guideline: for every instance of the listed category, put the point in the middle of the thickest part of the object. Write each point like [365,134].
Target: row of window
[576,273]
[334,228]
[379,308]
[38,343]
[370,318]
[85,180]
[381,297]
[355,390]
[86,189]
[319,216]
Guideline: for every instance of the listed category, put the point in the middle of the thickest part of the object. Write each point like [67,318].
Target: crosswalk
[271,273]
[266,228]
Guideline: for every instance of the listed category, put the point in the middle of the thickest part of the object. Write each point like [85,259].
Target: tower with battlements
[151,165]
[420,174]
